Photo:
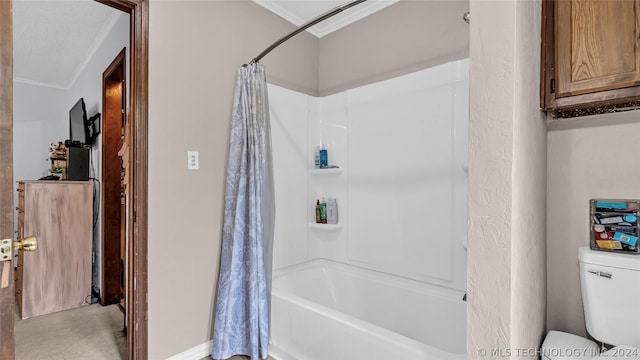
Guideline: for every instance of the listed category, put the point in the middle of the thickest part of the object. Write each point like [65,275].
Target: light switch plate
[193,160]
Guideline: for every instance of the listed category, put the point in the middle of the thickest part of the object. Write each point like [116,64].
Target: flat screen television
[82,130]
[78,133]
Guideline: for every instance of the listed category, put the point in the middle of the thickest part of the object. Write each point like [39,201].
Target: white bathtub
[324,310]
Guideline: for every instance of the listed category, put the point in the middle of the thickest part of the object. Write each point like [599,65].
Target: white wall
[589,157]
[41,117]
[528,281]
[401,145]
[506,281]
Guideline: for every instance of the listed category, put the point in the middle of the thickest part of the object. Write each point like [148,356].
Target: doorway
[114,224]
[137,215]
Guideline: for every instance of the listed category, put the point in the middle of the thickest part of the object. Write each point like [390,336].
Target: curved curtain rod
[305,26]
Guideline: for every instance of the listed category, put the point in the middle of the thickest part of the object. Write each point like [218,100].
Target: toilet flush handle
[601,273]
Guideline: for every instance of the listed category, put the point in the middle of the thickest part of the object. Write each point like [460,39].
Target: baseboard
[195,353]
[201,351]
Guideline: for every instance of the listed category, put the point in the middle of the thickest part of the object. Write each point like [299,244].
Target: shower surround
[401,188]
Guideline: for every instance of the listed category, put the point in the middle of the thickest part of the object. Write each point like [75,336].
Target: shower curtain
[244,287]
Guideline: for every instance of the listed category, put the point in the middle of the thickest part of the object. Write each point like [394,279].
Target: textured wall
[490,176]
[506,282]
[591,157]
[195,50]
[528,280]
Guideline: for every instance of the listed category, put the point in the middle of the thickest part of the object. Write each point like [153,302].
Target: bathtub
[324,310]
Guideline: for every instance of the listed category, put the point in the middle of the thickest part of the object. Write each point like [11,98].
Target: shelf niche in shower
[325,227]
[327,172]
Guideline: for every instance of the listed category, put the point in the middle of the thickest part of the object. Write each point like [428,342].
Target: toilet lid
[620,352]
[560,345]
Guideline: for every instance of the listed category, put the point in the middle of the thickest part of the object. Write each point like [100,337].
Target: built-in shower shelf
[323,172]
[325,227]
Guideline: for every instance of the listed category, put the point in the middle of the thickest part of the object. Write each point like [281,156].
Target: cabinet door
[596,45]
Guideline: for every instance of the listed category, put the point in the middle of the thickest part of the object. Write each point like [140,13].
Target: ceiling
[299,12]
[54,39]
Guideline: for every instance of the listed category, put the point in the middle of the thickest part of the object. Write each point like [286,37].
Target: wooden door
[7,300]
[597,45]
[113,115]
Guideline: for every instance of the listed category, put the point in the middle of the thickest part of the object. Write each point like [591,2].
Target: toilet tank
[610,285]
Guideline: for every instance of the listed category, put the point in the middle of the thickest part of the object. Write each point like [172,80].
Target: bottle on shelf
[332,211]
[324,157]
[323,211]
[318,217]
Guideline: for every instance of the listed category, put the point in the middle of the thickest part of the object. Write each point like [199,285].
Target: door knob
[29,243]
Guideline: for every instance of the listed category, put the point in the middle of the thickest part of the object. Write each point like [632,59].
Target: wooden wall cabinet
[590,56]
[57,276]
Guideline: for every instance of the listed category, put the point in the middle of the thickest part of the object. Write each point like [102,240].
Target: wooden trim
[118,61]
[7,297]
[547,53]
[562,59]
[601,98]
[111,185]
[137,334]
[139,179]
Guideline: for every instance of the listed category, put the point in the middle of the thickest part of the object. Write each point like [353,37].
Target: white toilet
[610,285]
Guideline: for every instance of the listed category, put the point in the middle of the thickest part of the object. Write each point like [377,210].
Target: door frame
[137,336]
[137,284]
[110,251]
[7,295]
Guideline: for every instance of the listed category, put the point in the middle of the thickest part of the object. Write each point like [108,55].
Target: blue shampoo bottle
[324,157]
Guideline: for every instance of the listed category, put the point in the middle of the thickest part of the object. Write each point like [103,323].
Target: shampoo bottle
[317,157]
[324,157]
[318,220]
[332,211]
[323,211]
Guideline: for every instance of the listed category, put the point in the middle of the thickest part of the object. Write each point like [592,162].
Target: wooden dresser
[57,276]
